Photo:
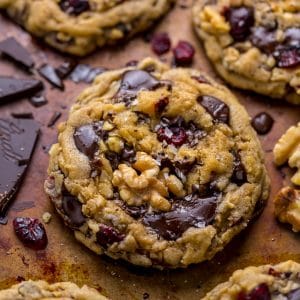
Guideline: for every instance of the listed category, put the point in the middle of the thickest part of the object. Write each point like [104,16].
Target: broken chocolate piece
[65,69]
[22,115]
[17,141]
[216,108]
[56,115]
[12,89]
[85,73]
[49,73]
[15,51]
[38,100]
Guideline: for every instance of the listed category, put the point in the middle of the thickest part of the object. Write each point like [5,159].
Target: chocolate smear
[262,123]
[13,89]
[17,140]
[12,49]
[49,73]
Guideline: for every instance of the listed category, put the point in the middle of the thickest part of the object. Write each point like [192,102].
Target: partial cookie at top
[268,282]
[287,149]
[79,27]
[39,290]
[253,44]
[157,166]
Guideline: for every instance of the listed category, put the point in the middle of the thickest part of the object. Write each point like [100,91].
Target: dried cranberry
[175,136]
[161,105]
[74,7]
[160,43]
[108,235]
[264,39]
[261,292]
[287,57]
[241,19]
[183,53]
[31,232]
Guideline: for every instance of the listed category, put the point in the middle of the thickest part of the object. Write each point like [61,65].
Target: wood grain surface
[265,240]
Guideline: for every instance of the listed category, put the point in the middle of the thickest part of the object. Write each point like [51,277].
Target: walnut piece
[288,149]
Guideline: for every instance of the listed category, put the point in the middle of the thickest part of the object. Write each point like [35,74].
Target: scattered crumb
[46,217]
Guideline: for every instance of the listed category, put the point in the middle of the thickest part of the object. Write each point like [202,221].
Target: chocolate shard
[54,118]
[15,51]
[12,88]
[38,100]
[17,140]
[49,73]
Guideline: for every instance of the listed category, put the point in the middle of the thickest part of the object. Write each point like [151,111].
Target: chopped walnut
[287,207]
[288,149]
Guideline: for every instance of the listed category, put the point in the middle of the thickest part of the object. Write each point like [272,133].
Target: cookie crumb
[46,217]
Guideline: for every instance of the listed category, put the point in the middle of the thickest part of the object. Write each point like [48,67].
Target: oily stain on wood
[264,241]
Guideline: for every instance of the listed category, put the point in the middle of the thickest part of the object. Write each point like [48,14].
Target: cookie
[287,149]
[253,44]
[157,166]
[39,290]
[78,27]
[287,207]
[264,282]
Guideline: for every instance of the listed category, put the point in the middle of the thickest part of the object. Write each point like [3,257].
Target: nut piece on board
[287,207]
[287,149]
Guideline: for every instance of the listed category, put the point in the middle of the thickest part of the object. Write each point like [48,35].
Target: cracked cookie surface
[39,290]
[78,27]
[253,44]
[268,282]
[157,166]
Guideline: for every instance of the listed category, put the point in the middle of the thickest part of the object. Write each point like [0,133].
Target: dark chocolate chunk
[14,50]
[94,72]
[17,141]
[54,118]
[134,81]
[31,232]
[72,208]
[38,100]
[12,89]
[264,39]
[74,7]
[86,140]
[108,235]
[135,211]
[216,108]
[22,115]
[239,175]
[49,73]
[65,68]
[262,123]
[85,73]
[192,211]
[293,295]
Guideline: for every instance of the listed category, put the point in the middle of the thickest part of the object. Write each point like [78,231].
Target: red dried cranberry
[175,136]
[241,19]
[261,292]
[74,7]
[287,57]
[183,53]
[160,43]
[31,232]
[108,235]
[161,104]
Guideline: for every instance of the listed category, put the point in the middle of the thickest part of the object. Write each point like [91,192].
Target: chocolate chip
[216,108]
[54,118]
[262,123]
[38,100]
[22,115]
[108,235]
[74,7]
[49,73]
[197,212]
[72,207]
[17,141]
[65,68]
[86,140]
[239,175]
[12,89]
[134,81]
[15,51]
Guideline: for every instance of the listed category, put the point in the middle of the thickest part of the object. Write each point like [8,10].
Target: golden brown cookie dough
[41,290]
[253,44]
[157,166]
[278,282]
[78,27]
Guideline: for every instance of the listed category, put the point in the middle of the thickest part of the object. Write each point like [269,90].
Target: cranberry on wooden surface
[160,43]
[183,53]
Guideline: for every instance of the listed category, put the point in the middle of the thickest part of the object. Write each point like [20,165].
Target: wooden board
[265,241]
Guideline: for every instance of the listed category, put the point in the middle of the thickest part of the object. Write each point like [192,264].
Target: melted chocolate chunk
[86,140]
[241,19]
[264,39]
[74,7]
[134,81]
[108,235]
[216,108]
[287,57]
[193,211]
[262,123]
[15,51]
[12,89]
[72,208]
[49,73]
[293,295]
[17,140]
[135,212]
[239,175]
